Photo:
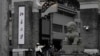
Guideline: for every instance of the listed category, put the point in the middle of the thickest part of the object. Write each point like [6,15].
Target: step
[70,48]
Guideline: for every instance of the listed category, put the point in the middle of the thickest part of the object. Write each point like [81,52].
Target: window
[57,28]
[10,42]
[78,24]
[65,13]
[10,53]
[45,26]
[65,29]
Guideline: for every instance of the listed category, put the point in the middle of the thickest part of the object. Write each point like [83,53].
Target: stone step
[71,48]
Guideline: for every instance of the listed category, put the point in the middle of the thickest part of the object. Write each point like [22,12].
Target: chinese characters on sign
[21,25]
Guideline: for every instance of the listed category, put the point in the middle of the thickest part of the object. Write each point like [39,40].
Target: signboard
[21,25]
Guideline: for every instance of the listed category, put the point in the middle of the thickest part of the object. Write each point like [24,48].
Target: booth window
[57,28]
[10,53]
[65,29]
[10,42]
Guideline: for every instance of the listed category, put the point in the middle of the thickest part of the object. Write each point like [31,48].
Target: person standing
[51,50]
[38,49]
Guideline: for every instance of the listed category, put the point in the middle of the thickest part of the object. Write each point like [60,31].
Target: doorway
[57,44]
[28,53]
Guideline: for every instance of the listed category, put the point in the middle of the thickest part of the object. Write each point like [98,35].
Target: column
[4,27]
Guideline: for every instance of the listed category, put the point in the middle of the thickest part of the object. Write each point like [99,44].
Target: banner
[21,25]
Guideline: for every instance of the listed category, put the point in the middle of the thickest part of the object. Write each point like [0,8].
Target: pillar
[22,27]
[4,27]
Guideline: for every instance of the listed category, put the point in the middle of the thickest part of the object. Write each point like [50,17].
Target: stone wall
[89,18]
[3,28]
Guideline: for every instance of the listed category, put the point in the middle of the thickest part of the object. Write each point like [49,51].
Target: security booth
[45,25]
[48,8]
[45,22]
[45,33]
[22,29]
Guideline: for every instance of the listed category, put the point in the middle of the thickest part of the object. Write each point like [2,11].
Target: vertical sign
[21,25]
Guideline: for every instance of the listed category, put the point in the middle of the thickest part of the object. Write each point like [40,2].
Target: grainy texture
[35,28]
[3,28]
[86,0]
[89,17]
[28,25]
